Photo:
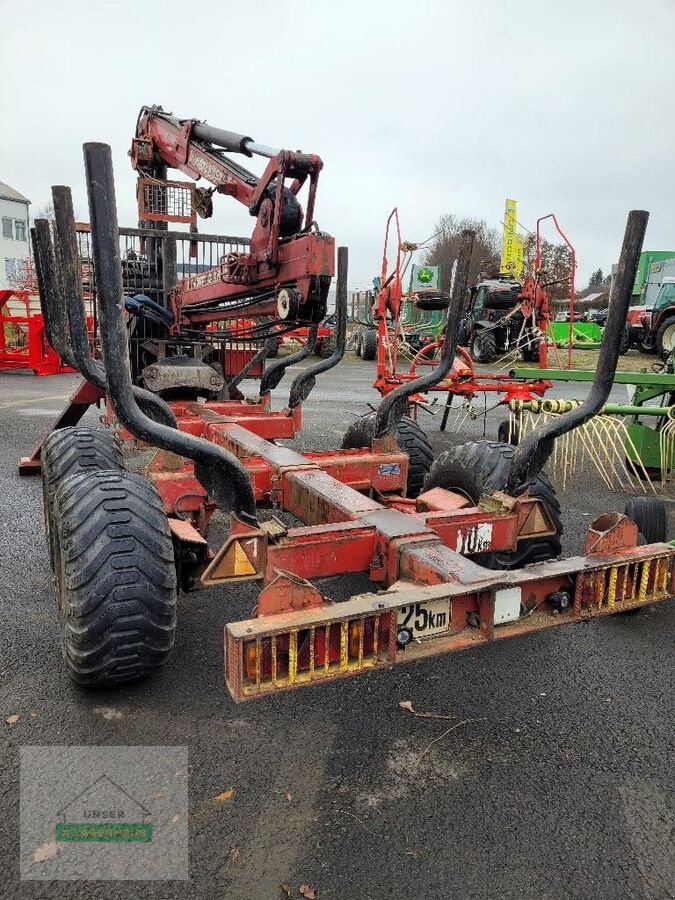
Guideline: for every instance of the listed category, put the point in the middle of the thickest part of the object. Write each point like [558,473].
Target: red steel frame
[36,355]
[573,268]
[357,520]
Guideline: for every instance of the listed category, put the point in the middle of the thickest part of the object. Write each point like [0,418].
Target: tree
[444,248]
[596,278]
[555,267]
[45,211]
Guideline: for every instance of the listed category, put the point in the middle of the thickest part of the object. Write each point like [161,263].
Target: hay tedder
[472,558]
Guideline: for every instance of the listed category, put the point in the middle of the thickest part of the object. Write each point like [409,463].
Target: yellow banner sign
[512,243]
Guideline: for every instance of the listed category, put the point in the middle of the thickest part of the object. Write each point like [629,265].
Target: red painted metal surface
[29,348]
[573,268]
[270,262]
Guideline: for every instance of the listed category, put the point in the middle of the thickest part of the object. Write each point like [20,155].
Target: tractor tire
[358,344]
[73,451]
[626,341]
[410,438]
[530,351]
[483,346]
[665,338]
[651,518]
[116,578]
[327,347]
[482,466]
[369,344]
[646,345]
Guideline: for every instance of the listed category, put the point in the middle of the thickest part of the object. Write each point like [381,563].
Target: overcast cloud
[432,106]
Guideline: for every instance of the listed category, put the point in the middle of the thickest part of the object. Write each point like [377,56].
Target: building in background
[14,242]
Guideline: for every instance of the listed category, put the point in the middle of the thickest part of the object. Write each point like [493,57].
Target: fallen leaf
[46,851]
[286,888]
[408,707]
[175,819]
[289,797]
[307,891]
[12,720]
[226,795]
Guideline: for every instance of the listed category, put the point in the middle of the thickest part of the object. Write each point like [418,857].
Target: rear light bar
[293,649]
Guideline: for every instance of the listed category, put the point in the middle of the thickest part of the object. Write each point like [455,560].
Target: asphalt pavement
[552,780]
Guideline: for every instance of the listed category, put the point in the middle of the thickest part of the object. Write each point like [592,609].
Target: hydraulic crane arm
[289,258]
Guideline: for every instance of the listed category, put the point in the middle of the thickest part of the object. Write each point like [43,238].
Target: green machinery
[585,335]
[629,444]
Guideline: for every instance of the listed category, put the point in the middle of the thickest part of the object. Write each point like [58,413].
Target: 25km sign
[424,619]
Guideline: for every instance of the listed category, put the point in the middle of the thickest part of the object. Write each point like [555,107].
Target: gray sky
[432,106]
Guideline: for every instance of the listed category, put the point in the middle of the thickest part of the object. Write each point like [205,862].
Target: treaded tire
[483,347]
[328,346]
[530,351]
[358,341]
[626,341]
[116,577]
[665,326]
[480,467]
[651,518]
[369,344]
[73,451]
[410,438]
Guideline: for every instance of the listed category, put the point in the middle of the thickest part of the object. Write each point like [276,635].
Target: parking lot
[545,773]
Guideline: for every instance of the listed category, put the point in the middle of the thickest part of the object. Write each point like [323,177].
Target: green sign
[425,278]
[104,832]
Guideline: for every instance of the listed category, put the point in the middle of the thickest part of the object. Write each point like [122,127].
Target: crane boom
[289,264]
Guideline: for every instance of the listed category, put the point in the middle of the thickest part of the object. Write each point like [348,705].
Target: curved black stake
[221,473]
[394,406]
[66,289]
[253,361]
[53,311]
[274,373]
[303,384]
[534,450]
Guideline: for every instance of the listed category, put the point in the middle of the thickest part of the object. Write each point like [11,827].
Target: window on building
[20,229]
[7,229]
[10,268]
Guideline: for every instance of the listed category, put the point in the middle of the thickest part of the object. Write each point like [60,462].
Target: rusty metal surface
[244,443]
[391,523]
[315,498]
[601,586]
[162,376]
[185,531]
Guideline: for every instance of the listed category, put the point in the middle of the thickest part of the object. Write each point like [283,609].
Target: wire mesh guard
[166,201]
[153,262]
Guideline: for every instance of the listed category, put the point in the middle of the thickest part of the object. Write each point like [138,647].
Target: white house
[14,239]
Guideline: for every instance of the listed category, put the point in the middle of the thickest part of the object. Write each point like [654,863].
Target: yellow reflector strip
[644,580]
[292,656]
[344,645]
[611,586]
